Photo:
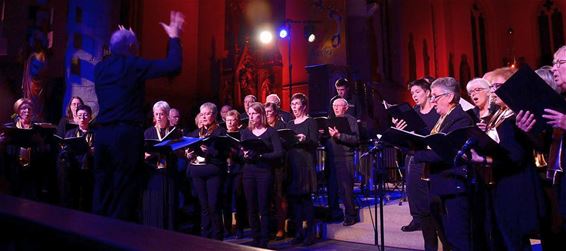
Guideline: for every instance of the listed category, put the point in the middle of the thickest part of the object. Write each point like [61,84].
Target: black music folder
[257,145]
[288,137]
[28,137]
[407,113]
[526,91]
[76,144]
[222,142]
[445,145]
[341,123]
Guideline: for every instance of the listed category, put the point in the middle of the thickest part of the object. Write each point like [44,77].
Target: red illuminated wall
[444,24]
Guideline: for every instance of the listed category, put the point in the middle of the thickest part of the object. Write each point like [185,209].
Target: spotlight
[311,38]
[309,32]
[283,33]
[265,37]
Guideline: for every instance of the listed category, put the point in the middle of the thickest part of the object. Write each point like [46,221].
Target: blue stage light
[283,33]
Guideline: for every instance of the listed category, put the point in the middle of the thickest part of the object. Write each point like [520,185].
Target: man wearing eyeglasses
[553,239]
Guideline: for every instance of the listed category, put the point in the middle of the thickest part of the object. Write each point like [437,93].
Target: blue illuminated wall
[90,24]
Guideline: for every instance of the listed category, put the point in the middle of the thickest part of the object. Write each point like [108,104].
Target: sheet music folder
[405,112]
[288,137]
[445,145]
[526,91]
[27,137]
[77,144]
[341,123]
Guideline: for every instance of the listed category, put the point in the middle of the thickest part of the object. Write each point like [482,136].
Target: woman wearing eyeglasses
[514,195]
[479,91]
[449,196]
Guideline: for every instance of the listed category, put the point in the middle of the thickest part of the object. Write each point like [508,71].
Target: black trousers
[207,181]
[452,214]
[341,183]
[419,204]
[303,210]
[118,171]
[257,188]
[233,197]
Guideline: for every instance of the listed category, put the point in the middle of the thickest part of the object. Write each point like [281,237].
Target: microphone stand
[378,172]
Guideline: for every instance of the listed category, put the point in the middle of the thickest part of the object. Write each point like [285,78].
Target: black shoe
[413,226]
[349,222]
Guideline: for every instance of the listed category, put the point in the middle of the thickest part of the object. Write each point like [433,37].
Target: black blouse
[272,140]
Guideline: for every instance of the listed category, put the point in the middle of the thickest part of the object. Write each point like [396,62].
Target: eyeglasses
[479,89]
[437,97]
[558,63]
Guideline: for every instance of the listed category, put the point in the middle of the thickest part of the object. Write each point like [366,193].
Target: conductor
[120,88]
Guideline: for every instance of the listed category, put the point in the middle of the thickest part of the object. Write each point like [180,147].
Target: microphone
[377,146]
[470,143]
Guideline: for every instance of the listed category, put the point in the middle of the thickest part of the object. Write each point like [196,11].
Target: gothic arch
[478,28]
[550,30]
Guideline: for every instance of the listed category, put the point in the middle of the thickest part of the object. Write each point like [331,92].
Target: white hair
[161,105]
[210,106]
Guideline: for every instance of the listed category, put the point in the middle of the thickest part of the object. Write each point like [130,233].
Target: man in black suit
[340,149]
[449,193]
[120,88]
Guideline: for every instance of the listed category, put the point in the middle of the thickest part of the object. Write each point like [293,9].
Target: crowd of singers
[113,174]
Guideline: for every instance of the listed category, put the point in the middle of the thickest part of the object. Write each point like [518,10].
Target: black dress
[36,178]
[159,193]
[302,177]
[74,172]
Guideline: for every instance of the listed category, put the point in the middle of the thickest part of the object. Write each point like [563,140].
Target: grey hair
[340,99]
[480,81]
[450,85]
[545,73]
[275,97]
[210,106]
[162,105]
[121,41]
[251,96]
[560,51]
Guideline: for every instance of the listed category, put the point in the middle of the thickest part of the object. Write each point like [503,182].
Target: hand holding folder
[526,91]
[406,113]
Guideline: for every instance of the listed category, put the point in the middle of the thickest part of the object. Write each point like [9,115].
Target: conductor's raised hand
[175,24]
